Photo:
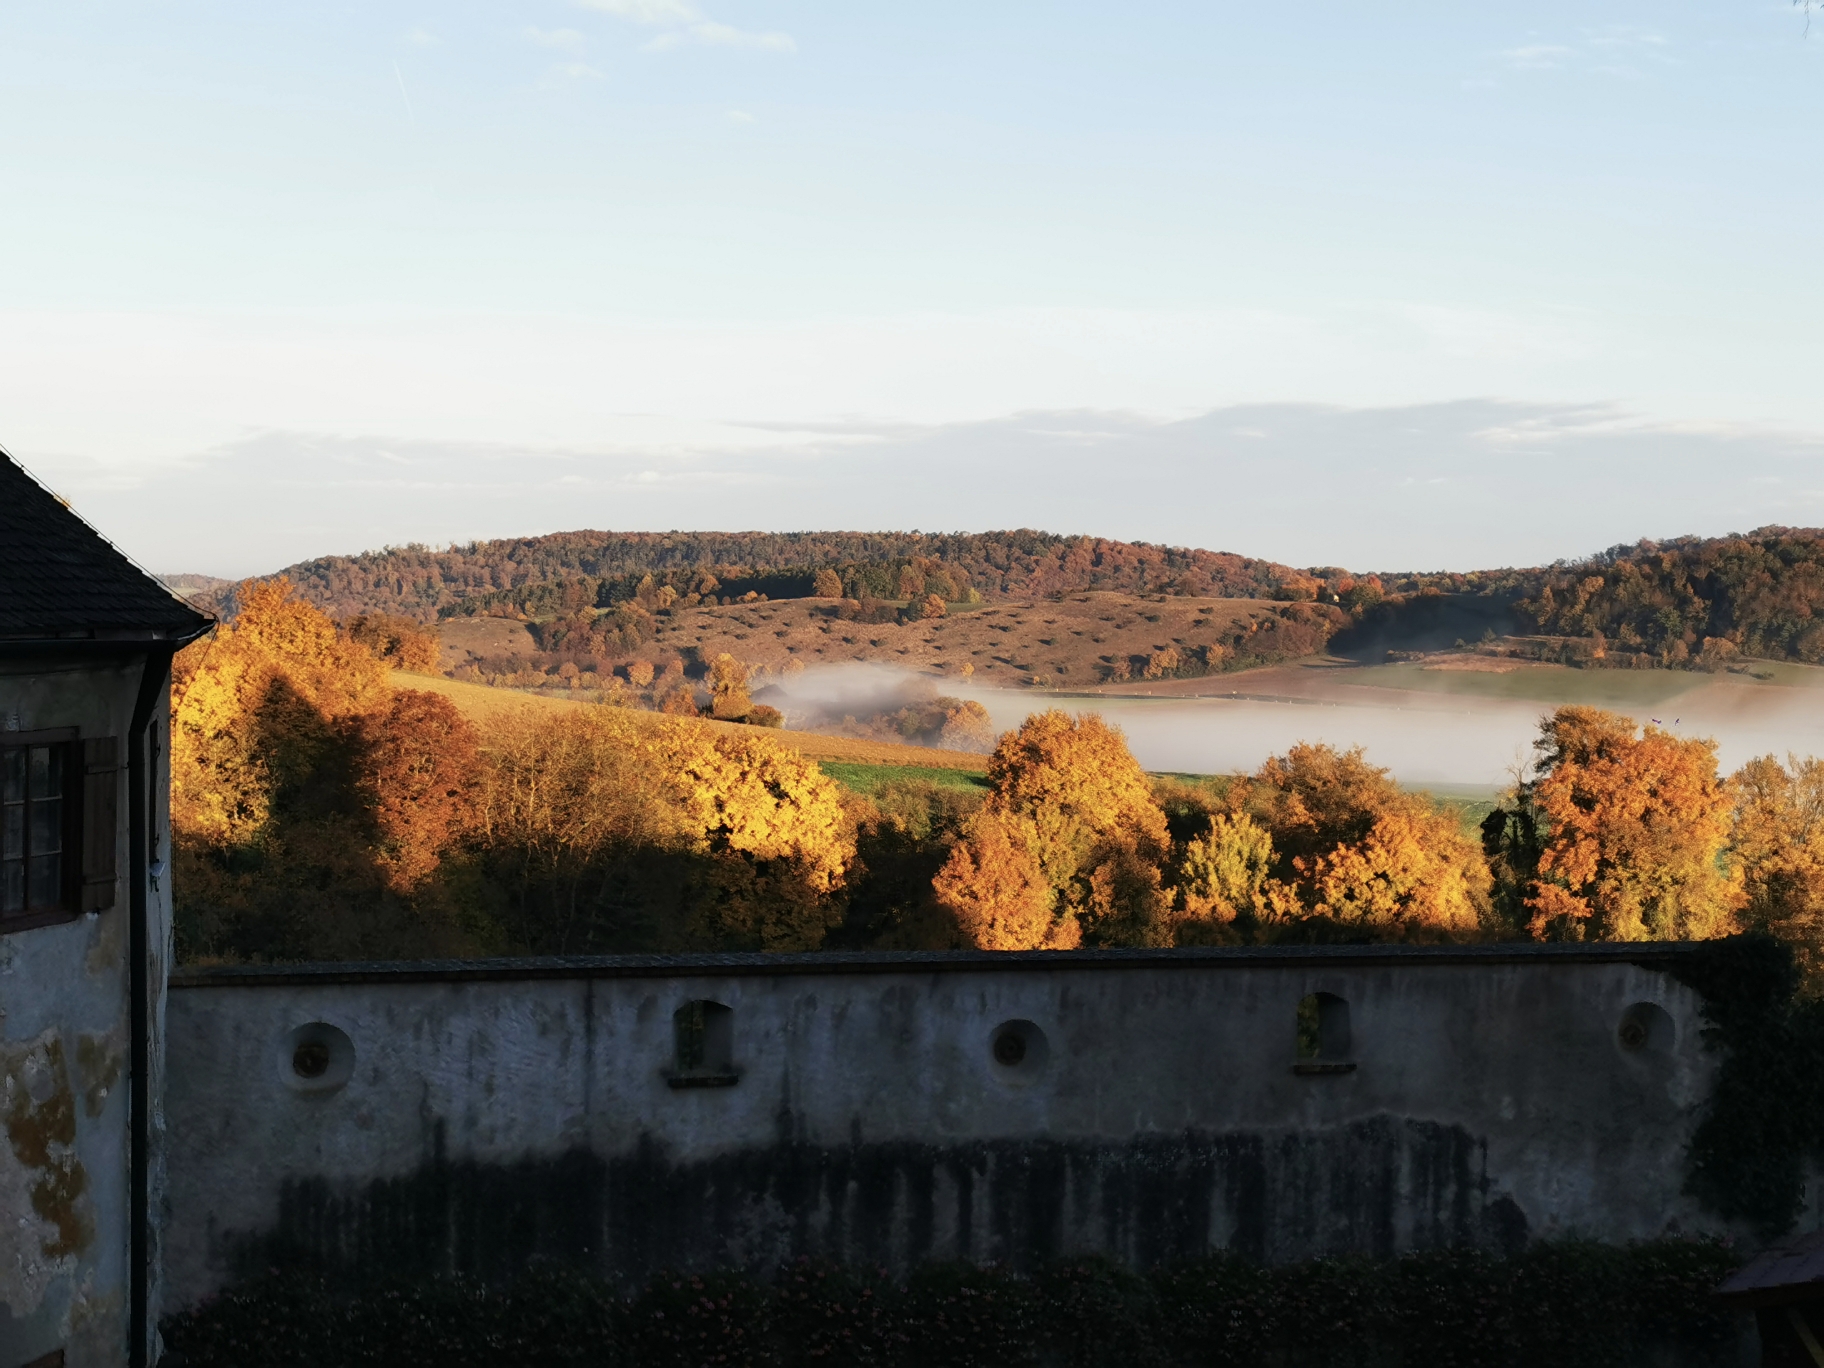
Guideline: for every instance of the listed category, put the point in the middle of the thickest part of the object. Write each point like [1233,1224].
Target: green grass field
[1621,689]
[868,780]
[1598,688]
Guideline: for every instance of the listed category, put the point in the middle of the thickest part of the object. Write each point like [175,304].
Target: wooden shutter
[100,822]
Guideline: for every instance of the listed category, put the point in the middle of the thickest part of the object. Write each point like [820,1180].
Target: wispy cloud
[740,116]
[1538,57]
[1623,50]
[421,37]
[681,24]
[569,73]
[567,38]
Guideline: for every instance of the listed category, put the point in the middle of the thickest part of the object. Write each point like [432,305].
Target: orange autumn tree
[307,799]
[400,642]
[1320,839]
[996,889]
[1069,809]
[728,696]
[417,767]
[1632,830]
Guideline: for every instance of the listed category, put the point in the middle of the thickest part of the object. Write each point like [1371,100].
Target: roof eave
[129,643]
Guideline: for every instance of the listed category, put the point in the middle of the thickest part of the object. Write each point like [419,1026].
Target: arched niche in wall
[703,1046]
[1324,1037]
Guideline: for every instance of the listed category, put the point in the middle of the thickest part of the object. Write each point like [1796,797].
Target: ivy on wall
[1566,1304]
[1765,1116]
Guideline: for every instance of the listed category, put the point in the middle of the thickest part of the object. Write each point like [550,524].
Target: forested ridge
[522,573]
[1761,594]
[1685,602]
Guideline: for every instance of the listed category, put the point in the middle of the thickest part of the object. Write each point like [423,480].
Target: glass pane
[12,775]
[12,832]
[45,884]
[47,771]
[12,886]
[47,826]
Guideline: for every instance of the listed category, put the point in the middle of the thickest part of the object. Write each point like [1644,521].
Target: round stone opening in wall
[1019,1051]
[1646,1028]
[316,1058]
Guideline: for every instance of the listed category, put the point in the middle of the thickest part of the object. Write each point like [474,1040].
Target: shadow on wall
[1375,1187]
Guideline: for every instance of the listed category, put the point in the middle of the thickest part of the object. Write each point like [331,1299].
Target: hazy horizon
[1440,287]
[1464,486]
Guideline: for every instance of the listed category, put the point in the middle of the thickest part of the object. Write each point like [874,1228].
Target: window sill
[1309,1067]
[31,921]
[703,1080]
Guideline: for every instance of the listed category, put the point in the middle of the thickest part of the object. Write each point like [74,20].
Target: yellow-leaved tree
[1225,879]
[728,696]
[1070,808]
[1777,841]
[254,708]
[997,890]
[608,830]
[310,804]
[1318,842]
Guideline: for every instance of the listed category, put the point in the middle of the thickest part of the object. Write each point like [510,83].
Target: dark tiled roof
[61,578]
[1789,1270]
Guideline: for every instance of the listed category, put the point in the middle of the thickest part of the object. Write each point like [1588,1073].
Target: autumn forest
[325,808]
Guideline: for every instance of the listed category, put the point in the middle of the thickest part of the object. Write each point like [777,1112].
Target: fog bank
[1440,740]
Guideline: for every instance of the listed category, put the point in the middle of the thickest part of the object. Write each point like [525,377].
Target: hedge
[1564,1303]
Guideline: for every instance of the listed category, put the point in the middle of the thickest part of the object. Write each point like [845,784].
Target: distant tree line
[1690,603]
[1693,601]
[535,574]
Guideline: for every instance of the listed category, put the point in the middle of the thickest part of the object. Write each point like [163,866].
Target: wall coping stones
[1647,954]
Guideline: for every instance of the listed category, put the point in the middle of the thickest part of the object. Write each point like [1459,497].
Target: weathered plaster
[64,1085]
[42,1182]
[492,1115]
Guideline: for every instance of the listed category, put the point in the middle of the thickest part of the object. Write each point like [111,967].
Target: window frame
[69,900]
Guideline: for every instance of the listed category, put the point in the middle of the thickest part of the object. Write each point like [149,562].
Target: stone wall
[646,1112]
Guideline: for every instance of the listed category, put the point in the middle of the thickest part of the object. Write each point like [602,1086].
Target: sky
[1417,286]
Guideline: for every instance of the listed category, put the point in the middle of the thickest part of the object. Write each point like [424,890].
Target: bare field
[480,704]
[1070,643]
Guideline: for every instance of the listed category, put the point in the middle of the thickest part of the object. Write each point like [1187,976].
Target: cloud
[1538,57]
[740,116]
[568,73]
[422,37]
[1474,483]
[1598,52]
[645,11]
[566,38]
[683,25]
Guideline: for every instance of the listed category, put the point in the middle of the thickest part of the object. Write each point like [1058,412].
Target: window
[703,1040]
[32,869]
[1323,1035]
[57,827]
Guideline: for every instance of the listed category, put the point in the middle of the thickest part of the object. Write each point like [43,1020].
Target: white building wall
[65,1214]
[470,1117]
